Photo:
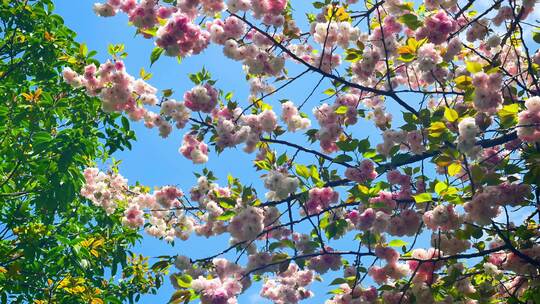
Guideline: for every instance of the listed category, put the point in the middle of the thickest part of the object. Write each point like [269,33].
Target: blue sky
[154,161]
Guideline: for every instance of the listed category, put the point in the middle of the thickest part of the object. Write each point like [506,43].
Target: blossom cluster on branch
[458,166]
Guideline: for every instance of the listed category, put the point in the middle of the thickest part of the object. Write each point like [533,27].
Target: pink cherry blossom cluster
[230,134]
[258,263]
[133,216]
[478,30]
[407,140]
[167,197]
[340,33]
[485,204]
[327,60]
[392,270]
[350,296]
[467,137]
[289,287]
[268,9]
[181,37]
[488,96]
[350,102]
[325,262]
[247,224]
[207,195]
[395,177]
[228,30]
[178,36]
[280,185]
[320,199]
[238,5]
[364,172]
[448,5]
[330,128]
[510,261]
[429,63]
[503,13]
[303,242]
[104,190]
[453,48]
[177,111]
[193,149]
[384,201]
[425,269]
[264,122]
[449,244]
[384,37]
[110,191]
[437,28]
[442,217]
[224,288]
[529,121]
[202,98]
[365,67]
[119,92]
[406,223]
[256,60]
[364,220]
[152,120]
[379,217]
[293,119]
[111,7]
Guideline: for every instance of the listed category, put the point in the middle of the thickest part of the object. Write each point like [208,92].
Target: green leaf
[302,171]
[536,37]
[440,187]
[338,281]
[454,169]
[125,123]
[363,145]
[343,158]
[156,53]
[436,129]
[318,5]
[422,197]
[473,67]
[410,20]
[450,114]
[83,49]
[397,243]
[227,215]
[407,57]
[184,280]
[167,93]
[463,82]
[329,91]
[227,202]
[347,145]
[341,110]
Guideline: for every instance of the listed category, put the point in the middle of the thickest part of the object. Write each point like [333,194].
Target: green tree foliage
[54,247]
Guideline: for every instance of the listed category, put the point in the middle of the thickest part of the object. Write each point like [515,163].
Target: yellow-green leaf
[440,187]
[303,171]
[436,129]
[473,67]
[397,243]
[341,110]
[450,114]
[463,81]
[422,197]
[454,169]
